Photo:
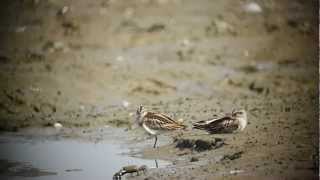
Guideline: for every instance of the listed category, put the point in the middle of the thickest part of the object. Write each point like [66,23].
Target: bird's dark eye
[239,113]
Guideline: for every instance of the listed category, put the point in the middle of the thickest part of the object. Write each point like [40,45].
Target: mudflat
[89,64]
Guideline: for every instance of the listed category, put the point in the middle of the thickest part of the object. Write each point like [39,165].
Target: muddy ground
[89,64]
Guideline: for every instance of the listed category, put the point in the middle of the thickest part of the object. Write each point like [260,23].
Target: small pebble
[236,171]
[125,103]
[57,125]
[120,58]
[194,159]
[64,10]
[252,7]
[21,29]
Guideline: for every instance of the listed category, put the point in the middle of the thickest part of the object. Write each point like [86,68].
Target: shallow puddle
[38,158]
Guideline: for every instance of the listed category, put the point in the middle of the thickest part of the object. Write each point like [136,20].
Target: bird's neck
[242,123]
[140,117]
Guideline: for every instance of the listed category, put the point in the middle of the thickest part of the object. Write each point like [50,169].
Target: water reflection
[92,160]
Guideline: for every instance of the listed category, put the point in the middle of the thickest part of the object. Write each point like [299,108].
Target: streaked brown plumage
[236,121]
[155,123]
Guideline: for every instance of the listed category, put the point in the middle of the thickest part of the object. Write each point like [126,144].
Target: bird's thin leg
[156,162]
[155,142]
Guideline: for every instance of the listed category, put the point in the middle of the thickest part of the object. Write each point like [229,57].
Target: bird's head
[241,116]
[139,114]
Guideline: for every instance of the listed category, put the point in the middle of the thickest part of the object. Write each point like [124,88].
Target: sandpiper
[229,123]
[156,123]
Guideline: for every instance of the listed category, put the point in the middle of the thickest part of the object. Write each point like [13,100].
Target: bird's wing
[208,121]
[222,125]
[161,121]
[214,118]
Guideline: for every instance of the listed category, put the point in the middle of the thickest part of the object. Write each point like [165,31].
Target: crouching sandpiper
[229,123]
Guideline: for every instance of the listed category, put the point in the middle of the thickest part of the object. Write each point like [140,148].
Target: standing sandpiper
[234,122]
[156,123]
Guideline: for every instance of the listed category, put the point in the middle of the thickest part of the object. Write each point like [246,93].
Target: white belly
[150,131]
